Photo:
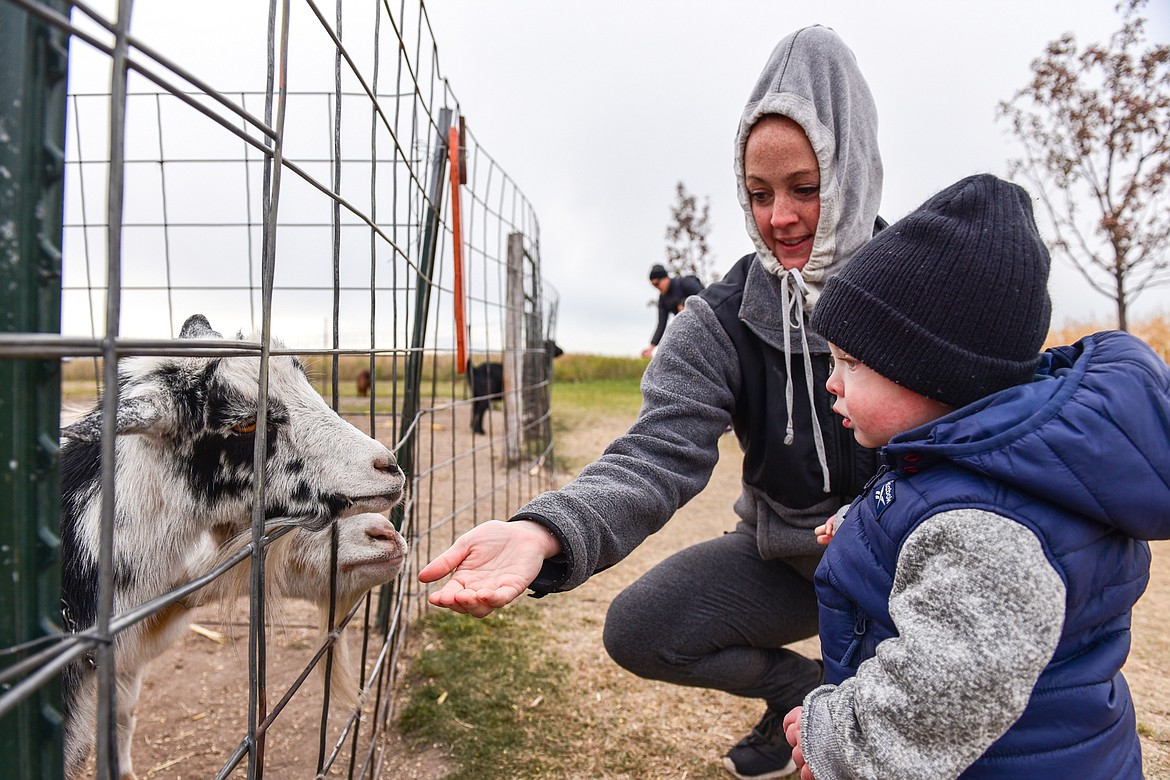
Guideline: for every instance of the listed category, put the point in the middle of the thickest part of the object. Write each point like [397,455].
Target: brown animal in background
[363,383]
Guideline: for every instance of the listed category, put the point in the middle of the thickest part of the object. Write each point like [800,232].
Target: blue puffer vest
[1080,714]
[1090,488]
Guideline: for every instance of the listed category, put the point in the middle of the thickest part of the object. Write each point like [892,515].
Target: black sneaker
[763,754]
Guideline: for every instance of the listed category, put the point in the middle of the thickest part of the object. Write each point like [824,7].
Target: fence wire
[304,177]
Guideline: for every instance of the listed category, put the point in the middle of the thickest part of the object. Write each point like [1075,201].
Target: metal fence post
[514,348]
[32,144]
[412,382]
[422,293]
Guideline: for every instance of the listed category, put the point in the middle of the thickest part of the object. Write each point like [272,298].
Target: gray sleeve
[663,461]
[979,611]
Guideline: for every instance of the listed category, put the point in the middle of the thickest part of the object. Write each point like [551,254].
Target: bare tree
[1095,126]
[686,238]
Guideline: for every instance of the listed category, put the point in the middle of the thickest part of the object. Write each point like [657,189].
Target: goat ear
[135,415]
[197,327]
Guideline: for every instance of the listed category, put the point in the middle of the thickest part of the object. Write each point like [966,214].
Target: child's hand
[792,734]
[825,532]
[792,720]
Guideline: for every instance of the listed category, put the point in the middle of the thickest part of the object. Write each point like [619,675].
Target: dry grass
[1154,330]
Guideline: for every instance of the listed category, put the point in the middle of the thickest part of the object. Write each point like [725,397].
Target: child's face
[784,185]
[875,408]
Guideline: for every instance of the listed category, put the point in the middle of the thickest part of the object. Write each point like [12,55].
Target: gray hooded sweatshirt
[694,385]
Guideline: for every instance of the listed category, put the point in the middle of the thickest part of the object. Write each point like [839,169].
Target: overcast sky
[597,109]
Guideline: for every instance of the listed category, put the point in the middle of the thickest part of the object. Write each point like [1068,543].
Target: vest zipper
[881,472]
[860,627]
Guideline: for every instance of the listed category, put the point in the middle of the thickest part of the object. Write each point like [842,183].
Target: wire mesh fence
[304,180]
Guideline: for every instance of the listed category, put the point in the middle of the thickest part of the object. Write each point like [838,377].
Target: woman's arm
[628,493]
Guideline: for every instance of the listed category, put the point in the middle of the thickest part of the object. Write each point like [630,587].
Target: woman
[718,614]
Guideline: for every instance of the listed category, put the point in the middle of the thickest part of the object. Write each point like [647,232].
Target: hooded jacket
[715,357]
[976,600]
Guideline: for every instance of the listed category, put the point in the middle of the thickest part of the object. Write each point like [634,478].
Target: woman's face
[784,186]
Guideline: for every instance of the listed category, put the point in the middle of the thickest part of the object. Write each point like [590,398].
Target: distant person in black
[672,297]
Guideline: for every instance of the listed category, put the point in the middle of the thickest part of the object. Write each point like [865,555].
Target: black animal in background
[487,383]
[551,350]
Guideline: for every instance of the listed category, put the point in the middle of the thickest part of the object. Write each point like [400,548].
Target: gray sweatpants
[717,615]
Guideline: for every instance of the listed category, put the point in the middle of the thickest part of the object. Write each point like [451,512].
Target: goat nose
[382,531]
[386,462]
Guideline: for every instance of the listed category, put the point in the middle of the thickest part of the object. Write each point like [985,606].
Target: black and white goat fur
[370,552]
[183,479]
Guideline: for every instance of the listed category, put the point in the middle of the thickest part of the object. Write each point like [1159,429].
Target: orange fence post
[453,150]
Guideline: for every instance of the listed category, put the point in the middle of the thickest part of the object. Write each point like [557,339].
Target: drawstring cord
[792,292]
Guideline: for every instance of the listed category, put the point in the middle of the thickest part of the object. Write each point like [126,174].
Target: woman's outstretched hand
[490,566]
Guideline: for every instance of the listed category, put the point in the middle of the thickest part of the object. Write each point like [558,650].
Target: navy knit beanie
[657,272]
[952,300]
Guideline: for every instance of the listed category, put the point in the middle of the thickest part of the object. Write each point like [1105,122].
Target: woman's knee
[635,635]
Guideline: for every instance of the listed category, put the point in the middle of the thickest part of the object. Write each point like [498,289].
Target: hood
[1088,434]
[812,78]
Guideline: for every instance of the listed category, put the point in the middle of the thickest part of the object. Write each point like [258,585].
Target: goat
[363,382]
[487,383]
[370,552]
[185,429]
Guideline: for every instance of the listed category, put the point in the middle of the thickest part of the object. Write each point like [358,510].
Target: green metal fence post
[32,143]
[412,382]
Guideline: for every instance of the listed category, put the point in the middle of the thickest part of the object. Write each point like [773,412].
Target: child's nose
[832,385]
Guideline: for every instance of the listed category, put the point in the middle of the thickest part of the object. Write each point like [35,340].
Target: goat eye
[248,426]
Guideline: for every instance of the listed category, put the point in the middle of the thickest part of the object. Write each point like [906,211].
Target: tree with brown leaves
[1094,126]
[686,238]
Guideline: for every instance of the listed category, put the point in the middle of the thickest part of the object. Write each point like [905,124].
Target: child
[975,600]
